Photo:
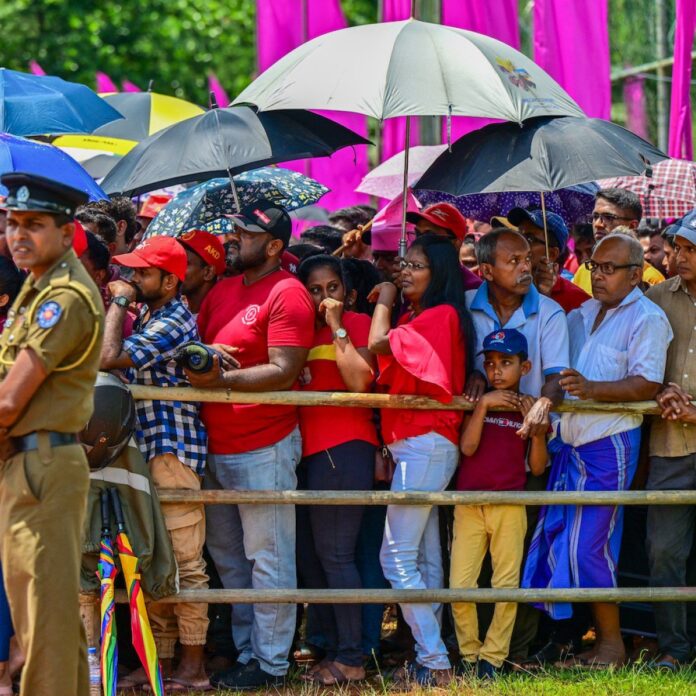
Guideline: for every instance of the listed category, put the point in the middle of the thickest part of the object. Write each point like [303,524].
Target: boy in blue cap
[495,459]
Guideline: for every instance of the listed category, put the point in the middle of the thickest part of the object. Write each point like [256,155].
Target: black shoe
[247,677]
[485,670]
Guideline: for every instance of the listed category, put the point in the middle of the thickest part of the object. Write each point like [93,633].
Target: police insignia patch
[49,314]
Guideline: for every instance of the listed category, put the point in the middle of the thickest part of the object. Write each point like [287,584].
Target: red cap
[154,204]
[289,262]
[444,215]
[207,246]
[79,240]
[162,252]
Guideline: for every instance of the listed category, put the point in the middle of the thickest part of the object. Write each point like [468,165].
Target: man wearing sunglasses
[615,208]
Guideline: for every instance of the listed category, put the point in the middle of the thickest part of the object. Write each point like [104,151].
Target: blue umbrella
[205,206]
[574,204]
[22,155]
[42,104]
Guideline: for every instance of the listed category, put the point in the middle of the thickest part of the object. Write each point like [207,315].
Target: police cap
[37,193]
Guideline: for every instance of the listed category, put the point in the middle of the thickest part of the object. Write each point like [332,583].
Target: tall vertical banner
[495,18]
[636,106]
[393,133]
[680,138]
[282,25]
[571,42]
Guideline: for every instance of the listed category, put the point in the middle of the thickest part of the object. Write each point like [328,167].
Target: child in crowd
[494,460]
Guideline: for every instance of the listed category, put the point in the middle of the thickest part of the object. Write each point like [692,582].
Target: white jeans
[411,556]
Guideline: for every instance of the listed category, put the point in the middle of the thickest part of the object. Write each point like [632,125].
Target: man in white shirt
[618,346]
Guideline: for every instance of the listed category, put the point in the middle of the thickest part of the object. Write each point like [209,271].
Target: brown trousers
[186,525]
[43,495]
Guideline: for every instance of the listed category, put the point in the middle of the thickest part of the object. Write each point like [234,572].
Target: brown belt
[27,443]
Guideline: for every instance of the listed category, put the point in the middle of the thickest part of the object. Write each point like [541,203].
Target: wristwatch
[122,301]
[340,333]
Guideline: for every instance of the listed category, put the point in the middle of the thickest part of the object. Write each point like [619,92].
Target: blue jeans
[254,546]
[411,555]
[6,630]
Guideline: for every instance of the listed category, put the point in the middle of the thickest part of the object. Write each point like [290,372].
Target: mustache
[526,278]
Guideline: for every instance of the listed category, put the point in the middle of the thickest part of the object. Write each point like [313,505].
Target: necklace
[263,275]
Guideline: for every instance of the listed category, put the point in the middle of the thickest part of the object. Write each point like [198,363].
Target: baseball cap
[501,221]
[153,204]
[444,215]
[162,252]
[554,223]
[207,246]
[265,216]
[509,341]
[685,227]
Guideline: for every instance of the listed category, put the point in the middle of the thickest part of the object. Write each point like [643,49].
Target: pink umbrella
[387,179]
[386,225]
[669,193]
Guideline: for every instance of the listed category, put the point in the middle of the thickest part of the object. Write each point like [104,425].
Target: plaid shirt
[165,426]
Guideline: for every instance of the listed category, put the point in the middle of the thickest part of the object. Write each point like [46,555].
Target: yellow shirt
[582,277]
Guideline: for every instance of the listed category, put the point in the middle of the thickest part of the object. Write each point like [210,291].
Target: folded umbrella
[194,208]
[107,572]
[143,641]
[41,104]
[225,142]
[22,155]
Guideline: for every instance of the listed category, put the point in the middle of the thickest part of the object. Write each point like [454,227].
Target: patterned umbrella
[107,575]
[143,642]
[669,193]
[574,204]
[208,203]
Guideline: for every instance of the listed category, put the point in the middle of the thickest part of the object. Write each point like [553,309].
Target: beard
[252,259]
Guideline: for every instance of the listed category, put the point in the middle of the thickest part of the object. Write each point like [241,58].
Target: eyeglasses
[608,218]
[608,268]
[413,266]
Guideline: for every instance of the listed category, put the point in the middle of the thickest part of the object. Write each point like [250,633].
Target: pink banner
[281,26]
[105,83]
[495,19]
[636,106]
[215,86]
[35,68]
[571,42]
[680,137]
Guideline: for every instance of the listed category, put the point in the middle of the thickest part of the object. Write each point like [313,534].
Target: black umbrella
[225,142]
[543,154]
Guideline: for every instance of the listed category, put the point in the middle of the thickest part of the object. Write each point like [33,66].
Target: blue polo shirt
[543,323]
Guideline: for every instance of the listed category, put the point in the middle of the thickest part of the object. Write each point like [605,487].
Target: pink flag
[35,68]
[495,19]
[680,142]
[105,83]
[218,90]
[283,25]
[636,105]
[129,86]
[571,42]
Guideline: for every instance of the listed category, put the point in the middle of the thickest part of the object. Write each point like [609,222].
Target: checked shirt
[165,426]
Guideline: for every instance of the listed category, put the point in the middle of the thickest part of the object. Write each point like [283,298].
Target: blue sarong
[6,631]
[578,546]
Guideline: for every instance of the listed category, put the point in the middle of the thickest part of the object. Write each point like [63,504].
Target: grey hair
[635,250]
[486,245]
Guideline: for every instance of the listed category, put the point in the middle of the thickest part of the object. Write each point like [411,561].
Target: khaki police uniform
[44,483]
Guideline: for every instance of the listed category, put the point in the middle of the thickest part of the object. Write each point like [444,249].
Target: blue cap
[509,341]
[554,224]
[685,227]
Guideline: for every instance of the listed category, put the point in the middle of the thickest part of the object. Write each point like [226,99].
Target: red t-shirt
[569,295]
[274,311]
[499,462]
[428,358]
[324,426]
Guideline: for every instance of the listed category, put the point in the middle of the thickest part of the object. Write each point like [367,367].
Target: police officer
[49,355]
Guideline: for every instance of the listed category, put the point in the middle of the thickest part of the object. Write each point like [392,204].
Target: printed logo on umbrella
[517,76]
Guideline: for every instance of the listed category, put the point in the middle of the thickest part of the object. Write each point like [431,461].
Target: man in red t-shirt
[267,317]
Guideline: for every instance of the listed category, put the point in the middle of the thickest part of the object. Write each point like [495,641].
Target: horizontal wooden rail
[230,497]
[348,399]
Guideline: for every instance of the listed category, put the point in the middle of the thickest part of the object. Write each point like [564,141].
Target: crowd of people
[515,314]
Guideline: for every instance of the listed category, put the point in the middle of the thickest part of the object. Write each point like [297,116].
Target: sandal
[172,685]
[338,677]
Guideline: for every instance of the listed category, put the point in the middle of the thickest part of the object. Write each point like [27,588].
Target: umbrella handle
[105,512]
[118,510]
[366,227]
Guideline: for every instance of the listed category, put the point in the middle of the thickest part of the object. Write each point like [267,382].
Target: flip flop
[661,665]
[589,665]
[339,677]
[172,685]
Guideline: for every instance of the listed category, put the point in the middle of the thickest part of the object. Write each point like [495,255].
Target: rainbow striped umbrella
[141,633]
[107,575]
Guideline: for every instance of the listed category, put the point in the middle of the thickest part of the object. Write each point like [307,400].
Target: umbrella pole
[234,192]
[543,216]
[404,207]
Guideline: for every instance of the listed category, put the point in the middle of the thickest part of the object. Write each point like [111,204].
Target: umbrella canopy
[202,204]
[409,68]
[39,104]
[387,179]
[224,142]
[22,155]
[544,154]
[145,113]
[574,204]
[669,193]
[106,569]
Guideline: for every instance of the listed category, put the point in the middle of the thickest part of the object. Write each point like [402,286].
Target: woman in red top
[338,448]
[425,354]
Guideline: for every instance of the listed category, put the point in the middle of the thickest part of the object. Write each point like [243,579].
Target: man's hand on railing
[214,378]
[537,421]
[475,386]
[676,404]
